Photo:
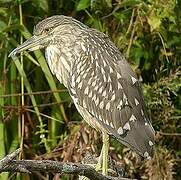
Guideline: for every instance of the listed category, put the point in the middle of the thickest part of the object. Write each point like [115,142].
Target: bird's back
[106,91]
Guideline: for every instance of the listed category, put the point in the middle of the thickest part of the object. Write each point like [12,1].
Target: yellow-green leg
[99,163]
[103,158]
[104,153]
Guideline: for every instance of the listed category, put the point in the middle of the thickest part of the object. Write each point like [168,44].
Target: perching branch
[9,164]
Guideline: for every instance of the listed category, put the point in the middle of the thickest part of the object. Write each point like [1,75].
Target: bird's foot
[114,169]
[98,166]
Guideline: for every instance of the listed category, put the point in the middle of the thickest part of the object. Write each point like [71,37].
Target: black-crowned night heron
[104,88]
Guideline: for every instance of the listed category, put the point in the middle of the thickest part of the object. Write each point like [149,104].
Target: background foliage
[44,122]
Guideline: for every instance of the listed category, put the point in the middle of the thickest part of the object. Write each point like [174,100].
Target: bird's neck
[58,62]
[62,54]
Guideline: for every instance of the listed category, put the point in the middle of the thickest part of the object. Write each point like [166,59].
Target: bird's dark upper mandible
[102,84]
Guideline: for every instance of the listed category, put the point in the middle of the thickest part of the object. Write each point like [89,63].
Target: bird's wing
[103,85]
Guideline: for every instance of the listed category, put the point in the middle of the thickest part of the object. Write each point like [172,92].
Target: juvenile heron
[104,88]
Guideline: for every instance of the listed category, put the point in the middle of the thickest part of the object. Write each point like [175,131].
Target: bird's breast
[59,63]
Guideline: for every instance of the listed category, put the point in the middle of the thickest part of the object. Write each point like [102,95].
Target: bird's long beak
[34,43]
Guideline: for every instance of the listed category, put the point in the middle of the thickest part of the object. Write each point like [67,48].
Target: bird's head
[47,31]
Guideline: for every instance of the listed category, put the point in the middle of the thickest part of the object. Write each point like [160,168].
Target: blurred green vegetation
[44,122]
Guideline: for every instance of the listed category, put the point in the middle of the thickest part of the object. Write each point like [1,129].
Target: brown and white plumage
[110,93]
[101,83]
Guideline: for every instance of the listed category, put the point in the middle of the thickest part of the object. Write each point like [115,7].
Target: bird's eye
[47,29]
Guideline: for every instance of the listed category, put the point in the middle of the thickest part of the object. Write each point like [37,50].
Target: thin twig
[21,122]
[164,47]
[44,115]
[131,22]
[132,36]
[33,93]
[31,106]
[169,134]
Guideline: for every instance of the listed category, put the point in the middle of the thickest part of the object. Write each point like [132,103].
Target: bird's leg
[103,158]
[99,163]
[104,152]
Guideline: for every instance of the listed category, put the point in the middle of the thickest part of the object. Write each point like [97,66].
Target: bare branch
[8,164]
[8,159]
